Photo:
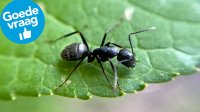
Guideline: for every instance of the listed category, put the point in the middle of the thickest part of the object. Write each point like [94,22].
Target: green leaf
[37,69]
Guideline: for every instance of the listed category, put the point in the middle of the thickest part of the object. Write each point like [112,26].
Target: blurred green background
[181,95]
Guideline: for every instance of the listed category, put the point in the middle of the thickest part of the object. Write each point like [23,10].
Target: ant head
[127,58]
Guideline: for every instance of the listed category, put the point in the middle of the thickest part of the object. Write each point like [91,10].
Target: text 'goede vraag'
[22,18]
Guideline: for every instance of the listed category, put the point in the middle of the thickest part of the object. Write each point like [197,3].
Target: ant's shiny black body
[79,51]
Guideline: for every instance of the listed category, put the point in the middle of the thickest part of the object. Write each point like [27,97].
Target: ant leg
[105,34]
[108,44]
[99,61]
[116,83]
[67,35]
[144,30]
[70,73]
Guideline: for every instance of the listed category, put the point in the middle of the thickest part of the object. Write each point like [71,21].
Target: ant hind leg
[70,74]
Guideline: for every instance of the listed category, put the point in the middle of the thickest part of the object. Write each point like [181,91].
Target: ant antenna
[144,30]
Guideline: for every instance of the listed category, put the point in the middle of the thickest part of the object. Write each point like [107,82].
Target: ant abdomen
[75,51]
[126,57]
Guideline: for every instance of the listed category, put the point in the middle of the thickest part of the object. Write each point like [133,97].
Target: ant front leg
[116,82]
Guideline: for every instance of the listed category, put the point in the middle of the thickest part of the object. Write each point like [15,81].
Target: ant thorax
[106,52]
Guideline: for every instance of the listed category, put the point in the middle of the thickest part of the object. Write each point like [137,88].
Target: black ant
[79,51]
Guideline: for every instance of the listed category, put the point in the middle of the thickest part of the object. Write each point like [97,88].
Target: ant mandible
[79,51]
